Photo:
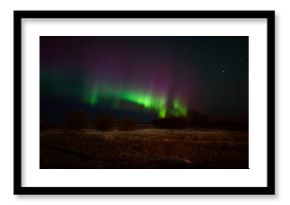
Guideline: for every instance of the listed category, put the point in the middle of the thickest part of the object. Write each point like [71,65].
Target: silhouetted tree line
[192,120]
[75,120]
[171,123]
[103,122]
[196,120]
[126,124]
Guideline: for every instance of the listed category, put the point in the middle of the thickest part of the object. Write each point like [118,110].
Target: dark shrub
[104,122]
[171,123]
[75,120]
[126,124]
[227,125]
[199,120]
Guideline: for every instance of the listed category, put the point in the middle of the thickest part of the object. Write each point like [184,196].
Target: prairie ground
[143,149]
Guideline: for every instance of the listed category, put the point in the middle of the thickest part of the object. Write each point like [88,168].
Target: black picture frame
[269,189]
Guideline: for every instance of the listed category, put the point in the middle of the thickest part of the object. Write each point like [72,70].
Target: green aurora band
[58,83]
[141,98]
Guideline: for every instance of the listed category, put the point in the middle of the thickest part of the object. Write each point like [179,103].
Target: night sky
[144,77]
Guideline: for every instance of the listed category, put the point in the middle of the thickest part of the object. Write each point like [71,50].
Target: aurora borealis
[144,77]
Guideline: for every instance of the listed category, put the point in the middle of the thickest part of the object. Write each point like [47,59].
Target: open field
[143,148]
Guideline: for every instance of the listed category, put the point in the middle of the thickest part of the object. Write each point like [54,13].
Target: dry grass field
[143,149]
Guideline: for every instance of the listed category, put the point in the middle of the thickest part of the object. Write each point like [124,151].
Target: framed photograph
[144,102]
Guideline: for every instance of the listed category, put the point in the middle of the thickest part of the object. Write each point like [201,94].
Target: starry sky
[144,77]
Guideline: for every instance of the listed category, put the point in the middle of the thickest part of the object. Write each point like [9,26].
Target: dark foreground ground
[142,149]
